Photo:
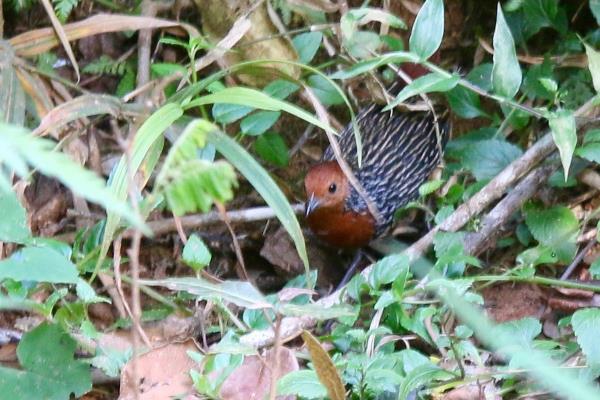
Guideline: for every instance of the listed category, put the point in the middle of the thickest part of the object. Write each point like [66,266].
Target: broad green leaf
[430,187]
[258,122]
[196,254]
[420,375]
[593,135]
[325,91]
[50,370]
[87,294]
[304,383]
[555,227]
[593,65]
[486,158]
[280,89]
[272,148]
[254,98]
[523,331]
[227,113]
[590,151]
[264,185]
[242,294]
[40,264]
[306,45]
[506,73]
[13,219]
[465,103]
[145,138]
[564,133]
[387,270]
[433,82]
[362,44]
[189,182]
[428,29]
[586,325]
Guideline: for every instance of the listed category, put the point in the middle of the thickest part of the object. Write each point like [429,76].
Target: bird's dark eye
[332,188]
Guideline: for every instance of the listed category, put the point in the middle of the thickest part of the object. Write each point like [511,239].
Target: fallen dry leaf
[326,371]
[252,379]
[163,373]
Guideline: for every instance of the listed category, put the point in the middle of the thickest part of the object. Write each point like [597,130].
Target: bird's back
[399,152]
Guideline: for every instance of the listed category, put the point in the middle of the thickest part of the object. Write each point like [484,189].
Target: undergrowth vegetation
[144,145]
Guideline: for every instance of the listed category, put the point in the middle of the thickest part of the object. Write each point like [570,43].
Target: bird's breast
[340,228]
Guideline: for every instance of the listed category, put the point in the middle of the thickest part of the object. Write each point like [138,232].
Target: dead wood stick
[496,188]
[477,242]
[167,225]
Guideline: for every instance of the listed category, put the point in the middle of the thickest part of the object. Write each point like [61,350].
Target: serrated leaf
[506,72]
[40,264]
[433,82]
[13,219]
[555,227]
[195,253]
[326,371]
[387,270]
[564,133]
[428,29]
[465,103]
[593,65]
[486,158]
[586,325]
[259,122]
[306,45]
[242,294]
[50,371]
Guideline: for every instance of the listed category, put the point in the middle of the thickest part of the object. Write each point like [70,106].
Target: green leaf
[555,227]
[595,269]
[506,73]
[264,185]
[242,294]
[592,135]
[280,89]
[590,151]
[49,369]
[13,219]
[362,44]
[190,183]
[375,62]
[522,331]
[564,133]
[486,158]
[387,270]
[40,264]
[272,148]
[428,29]
[196,254]
[586,325]
[433,82]
[227,113]
[254,98]
[306,45]
[317,311]
[422,374]
[593,65]
[258,122]
[465,103]
[430,187]
[325,91]
[87,294]
[304,384]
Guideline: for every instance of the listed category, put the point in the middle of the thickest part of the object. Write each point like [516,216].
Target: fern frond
[106,66]
[63,8]
[189,183]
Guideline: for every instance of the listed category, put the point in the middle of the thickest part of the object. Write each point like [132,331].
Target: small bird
[400,150]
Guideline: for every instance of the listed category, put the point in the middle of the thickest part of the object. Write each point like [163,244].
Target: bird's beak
[311,205]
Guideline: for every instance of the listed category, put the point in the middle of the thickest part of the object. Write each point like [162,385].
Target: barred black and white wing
[400,150]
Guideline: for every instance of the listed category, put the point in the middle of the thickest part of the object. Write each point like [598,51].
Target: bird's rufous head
[326,187]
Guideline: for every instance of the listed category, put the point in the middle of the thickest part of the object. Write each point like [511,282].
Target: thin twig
[242,273]
[160,227]
[575,263]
